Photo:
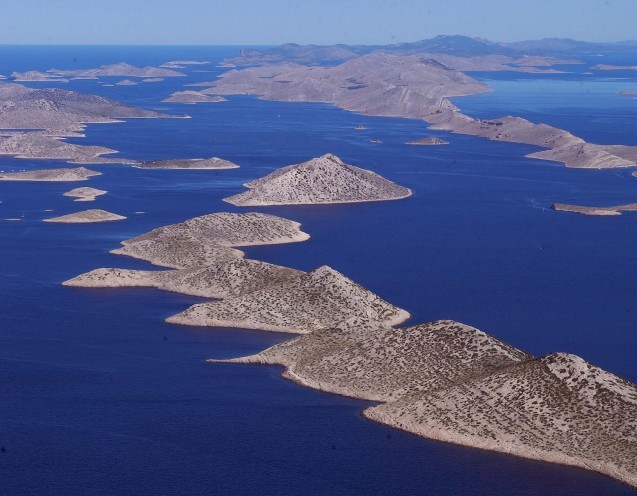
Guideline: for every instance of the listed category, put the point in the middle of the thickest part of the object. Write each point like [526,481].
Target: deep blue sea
[98,396]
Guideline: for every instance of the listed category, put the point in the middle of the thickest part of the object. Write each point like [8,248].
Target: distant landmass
[414,87]
[508,56]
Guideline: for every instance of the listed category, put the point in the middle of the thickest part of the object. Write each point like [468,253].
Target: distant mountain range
[458,45]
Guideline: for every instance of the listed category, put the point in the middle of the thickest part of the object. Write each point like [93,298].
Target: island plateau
[324,179]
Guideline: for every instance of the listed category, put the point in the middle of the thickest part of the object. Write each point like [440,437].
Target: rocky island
[189,163]
[210,239]
[315,300]
[447,381]
[599,211]
[415,87]
[51,175]
[428,141]
[121,69]
[85,194]
[219,280]
[318,181]
[557,408]
[190,96]
[53,115]
[37,76]
[41,145]
[87,217]
[365,358]
[60,111]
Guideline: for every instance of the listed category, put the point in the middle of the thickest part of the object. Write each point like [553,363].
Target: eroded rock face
[51,175]
[87,217]
[557,408]
[318,299]
[320,180]
[210,239]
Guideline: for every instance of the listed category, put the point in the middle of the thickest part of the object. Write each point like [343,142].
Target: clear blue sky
[227,22]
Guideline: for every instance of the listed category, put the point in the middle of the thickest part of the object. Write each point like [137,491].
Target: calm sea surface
[99,396]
